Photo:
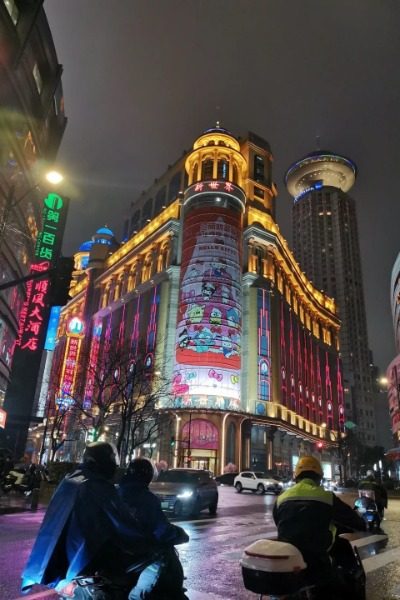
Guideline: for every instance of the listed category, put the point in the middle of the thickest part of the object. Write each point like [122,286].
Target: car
[185,492]
[226,478]
[257,481]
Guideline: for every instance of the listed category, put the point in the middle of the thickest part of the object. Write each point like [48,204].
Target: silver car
[184,492]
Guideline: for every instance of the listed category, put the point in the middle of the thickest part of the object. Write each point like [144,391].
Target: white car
[256,481]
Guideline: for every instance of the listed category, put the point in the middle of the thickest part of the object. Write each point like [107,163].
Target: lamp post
[11,203]
[340,438]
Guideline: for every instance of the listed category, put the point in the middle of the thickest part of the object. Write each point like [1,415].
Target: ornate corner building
[32,123]
[207,290]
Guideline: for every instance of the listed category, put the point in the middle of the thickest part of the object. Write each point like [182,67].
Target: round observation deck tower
[320,169]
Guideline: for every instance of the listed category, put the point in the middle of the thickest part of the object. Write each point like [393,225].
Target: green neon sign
[53,201]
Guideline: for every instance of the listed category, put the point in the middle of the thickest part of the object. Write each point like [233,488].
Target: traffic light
[172,441]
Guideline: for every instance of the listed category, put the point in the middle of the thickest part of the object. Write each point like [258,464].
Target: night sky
[142,79]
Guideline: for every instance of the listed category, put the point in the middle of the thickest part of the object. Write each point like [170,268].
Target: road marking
[227,536]
[381,560]
[368,540]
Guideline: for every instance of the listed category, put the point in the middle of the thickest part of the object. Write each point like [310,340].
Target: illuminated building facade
[32,123]
[393,370]
[325,242]
[205,288]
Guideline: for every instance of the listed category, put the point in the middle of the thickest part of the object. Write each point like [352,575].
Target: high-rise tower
[325,240]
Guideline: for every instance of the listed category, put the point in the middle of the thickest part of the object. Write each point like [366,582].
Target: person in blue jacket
[165,574]
[87,529]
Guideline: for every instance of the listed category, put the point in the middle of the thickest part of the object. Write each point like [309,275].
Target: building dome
[318,169]
[86,246]
[105,231]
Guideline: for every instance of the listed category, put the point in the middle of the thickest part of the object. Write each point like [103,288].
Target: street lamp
[336,436]
[10,202]
[54,177]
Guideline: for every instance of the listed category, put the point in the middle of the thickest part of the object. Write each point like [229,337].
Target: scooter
[99,587]
[366,507]
[277,570]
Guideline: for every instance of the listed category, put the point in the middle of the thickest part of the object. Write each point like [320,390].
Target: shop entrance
[200,459]
[200,440]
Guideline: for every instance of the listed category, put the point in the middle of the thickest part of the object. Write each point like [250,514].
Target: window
[207,171]
[135,222]
[258,168]
[147,211]
[258,192]
[12,10]
[38,78]
[223,169]
[161,199]
[174,187]
[235,174]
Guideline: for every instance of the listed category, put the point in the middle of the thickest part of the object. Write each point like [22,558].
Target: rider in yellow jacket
[306,516]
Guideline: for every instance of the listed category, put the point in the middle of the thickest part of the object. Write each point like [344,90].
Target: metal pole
[190,436]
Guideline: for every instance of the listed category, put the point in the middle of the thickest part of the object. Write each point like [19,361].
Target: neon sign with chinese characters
[49,239]
[34,315]
[75,330]
[34,312]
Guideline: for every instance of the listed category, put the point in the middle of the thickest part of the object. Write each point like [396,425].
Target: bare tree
[121,393]
[56,420]
[139,396]
[99,392]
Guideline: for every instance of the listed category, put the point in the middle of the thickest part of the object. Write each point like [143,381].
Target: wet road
[211,558]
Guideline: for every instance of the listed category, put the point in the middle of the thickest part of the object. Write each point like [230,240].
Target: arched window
[174,187]
[223,169]
[207,170]
[259,255]
[135,222]
[147,267]
[235,174]
[161,199]
[147,211]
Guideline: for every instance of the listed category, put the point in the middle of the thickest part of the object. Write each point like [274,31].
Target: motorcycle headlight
[185,494]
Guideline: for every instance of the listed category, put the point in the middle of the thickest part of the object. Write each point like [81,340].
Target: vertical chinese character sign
[34,314]
[75,333]
[33,323]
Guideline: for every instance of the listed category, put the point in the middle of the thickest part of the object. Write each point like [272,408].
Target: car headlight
[185,494]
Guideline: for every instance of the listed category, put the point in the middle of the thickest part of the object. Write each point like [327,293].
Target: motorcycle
[277,570]
[101,587]
[24,480]
[367,508]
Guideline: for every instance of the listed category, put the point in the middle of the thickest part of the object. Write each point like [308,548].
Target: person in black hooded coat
[87,529]
[166,574]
